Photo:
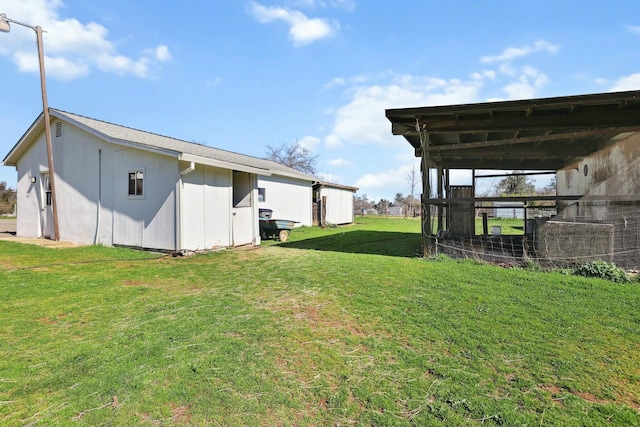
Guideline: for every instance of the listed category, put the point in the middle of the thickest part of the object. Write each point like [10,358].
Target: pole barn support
[427,246]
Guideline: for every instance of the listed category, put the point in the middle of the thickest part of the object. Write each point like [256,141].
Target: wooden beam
[502,175]
[558,121]
[621,198]
[533,139]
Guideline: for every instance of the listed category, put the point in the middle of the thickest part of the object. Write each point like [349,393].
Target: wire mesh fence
[608,232]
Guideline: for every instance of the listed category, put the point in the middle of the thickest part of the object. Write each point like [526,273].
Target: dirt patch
[8,233]
[7,226]
[181,415]
[51,321]
[556,393]
[590,397]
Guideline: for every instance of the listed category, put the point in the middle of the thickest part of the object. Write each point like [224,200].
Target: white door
[242,226]
[243,221]
[46,212]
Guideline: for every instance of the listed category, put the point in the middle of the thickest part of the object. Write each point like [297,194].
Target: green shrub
[604,270]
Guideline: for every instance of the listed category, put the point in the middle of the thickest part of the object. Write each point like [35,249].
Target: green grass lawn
[508,226]
[341,326]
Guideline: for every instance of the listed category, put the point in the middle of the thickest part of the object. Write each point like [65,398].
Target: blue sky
[243,74]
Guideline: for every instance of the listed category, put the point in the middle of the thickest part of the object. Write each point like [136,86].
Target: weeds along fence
[608,233]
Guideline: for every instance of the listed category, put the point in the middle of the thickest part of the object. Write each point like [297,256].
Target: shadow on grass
[363,242]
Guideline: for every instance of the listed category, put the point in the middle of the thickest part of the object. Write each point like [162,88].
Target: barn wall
[29,195]
[206,208]
[148,221]
[84,208]
[613,170]
[83,165]
[339,208]
[289,198]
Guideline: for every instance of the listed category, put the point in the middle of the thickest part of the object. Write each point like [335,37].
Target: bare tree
[412,177]
[293,155]
[361,203]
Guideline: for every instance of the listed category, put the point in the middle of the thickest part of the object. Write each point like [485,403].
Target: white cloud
[488,74]
[213,82]
[386,183]
[388,178]
[339,162]
[631,82]
[512,53]
[303,30]
[348,5]
[363,121]
[162,53]
[63,68]
[332,141]
[309,142]
[635,29]
[72,48]
[338,81]
[527,85]
[121,65]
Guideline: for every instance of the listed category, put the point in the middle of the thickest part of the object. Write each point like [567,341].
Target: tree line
[7,199]
[515,184]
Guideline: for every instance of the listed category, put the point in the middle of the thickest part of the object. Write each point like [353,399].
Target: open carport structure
[589,141]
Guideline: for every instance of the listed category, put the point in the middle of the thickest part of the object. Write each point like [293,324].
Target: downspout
[189,169]
[255,236]
[179,225]
[97,237]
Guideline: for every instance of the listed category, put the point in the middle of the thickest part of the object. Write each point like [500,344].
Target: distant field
[338,326]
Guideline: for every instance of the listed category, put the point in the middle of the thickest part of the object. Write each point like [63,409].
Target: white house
[116,185]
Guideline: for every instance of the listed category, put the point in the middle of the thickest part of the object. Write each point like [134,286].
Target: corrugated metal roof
[126,135]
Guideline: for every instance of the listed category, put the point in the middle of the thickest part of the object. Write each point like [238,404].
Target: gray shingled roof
[118,133]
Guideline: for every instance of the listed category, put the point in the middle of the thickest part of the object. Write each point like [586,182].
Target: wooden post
[447,192]
[440,206]
[485,224]
[427,249]
[323,217]
[473,204]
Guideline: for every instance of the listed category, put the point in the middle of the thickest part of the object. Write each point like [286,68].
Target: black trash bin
[265,213]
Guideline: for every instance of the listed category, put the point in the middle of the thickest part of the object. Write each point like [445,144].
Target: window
[46,183]
[242,184]
[136,183]
[261,195]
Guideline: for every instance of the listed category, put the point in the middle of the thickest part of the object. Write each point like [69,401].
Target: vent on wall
[58,129]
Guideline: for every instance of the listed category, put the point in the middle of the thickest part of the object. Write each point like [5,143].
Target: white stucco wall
[339,205]
[289,198]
